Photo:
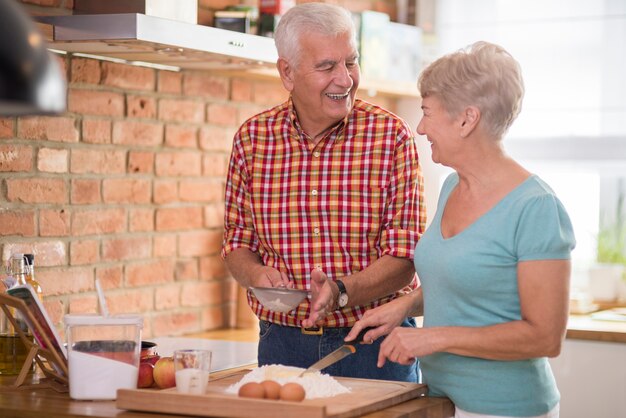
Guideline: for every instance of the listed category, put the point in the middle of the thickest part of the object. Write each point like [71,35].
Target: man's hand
[265,276]
[323,296]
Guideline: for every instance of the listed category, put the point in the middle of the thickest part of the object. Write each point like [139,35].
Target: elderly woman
[495,262]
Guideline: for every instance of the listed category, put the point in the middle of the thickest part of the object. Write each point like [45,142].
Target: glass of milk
[192,369]
[103,354]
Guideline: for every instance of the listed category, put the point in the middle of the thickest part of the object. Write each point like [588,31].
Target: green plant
[612,238]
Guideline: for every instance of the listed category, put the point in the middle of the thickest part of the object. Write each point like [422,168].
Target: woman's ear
[469,121]
[286,73]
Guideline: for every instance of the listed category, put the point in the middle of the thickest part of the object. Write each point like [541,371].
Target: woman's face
[441,130]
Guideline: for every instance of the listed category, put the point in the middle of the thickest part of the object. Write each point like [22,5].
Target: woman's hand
[383,318]
[404,345]
[322,299]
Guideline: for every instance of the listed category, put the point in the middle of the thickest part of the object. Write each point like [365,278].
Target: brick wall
[127,186]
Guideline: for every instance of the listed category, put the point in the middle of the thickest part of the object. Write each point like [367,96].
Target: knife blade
[345,350]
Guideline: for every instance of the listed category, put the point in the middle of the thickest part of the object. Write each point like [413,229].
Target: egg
[252,390]
[272,389]
[292,392]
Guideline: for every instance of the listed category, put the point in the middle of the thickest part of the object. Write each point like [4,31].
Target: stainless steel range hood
[135,37]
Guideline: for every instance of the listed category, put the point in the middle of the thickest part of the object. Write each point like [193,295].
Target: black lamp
[30,77]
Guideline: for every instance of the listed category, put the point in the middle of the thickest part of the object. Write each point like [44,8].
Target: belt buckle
[312,331]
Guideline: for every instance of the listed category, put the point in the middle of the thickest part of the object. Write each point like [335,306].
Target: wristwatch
[342,298]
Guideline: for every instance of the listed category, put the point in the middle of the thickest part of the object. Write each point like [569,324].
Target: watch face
[343,300]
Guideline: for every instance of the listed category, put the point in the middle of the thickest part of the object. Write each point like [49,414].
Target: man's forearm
[242,264]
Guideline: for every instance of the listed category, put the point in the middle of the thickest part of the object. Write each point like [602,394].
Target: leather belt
[312,331]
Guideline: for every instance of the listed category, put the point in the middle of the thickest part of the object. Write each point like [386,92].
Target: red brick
[128,132]
[215,165]
[165,246]
[214,216]
[200,191]
[269,93]
[170,82]
[14,158]
[97,131]
[151,273]
[178,164]
[221,114]
[181,136]
[213,267]
[201,293]
[6,127]
[55,309]
[181,110]
[66,281]
[85,191]
[246,112]
[140,106]
[130,301]
[83,304]
[186,270]
[98,222]
[37,190]
[165,191]
[92,102]
[84,252]
[54,222]
[140,162]
[17,222]
[47,253]
[46,3]
[110,277]
[214,138]
[85,71]
[214,318]
[204,84]
[200,243]
[126,249]
[173,219]
[241,90]
[52,160]
[167,297]
[141,220]
[176,323]
[127,76]
[126,191]
[97,161]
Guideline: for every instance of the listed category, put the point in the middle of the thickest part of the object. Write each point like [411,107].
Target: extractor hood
[136,37]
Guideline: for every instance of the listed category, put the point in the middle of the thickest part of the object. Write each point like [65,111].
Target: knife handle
[359,337]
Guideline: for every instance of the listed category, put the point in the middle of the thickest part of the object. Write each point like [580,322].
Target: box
[275,7]
[103,354]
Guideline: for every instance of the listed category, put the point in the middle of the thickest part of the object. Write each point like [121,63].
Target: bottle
[29,260]
[13,352]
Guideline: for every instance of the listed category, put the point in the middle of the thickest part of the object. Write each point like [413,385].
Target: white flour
[316,385]
[95,377]
[277,306]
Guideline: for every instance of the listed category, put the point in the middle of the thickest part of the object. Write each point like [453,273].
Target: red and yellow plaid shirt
[338,206]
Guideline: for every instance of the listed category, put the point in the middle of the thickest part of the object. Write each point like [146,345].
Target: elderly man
[324,193]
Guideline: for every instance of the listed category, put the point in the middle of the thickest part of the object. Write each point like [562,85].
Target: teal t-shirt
[470,280]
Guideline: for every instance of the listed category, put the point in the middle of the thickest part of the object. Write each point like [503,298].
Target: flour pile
[316,385]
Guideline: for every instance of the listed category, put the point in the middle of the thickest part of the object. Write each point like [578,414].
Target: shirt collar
[336,132]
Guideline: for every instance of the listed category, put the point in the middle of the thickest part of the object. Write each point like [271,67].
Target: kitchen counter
[38,402]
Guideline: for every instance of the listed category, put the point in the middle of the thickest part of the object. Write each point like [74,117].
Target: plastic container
[103,354]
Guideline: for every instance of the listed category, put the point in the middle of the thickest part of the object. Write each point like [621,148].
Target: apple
[150,359]
[145,378]
[164,373]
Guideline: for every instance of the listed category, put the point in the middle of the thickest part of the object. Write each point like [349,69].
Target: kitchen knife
[348,348]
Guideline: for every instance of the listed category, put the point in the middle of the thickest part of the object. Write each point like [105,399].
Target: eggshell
[292,392]
[252,390]
[272,389]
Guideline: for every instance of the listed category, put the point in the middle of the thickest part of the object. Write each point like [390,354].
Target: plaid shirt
[338,206]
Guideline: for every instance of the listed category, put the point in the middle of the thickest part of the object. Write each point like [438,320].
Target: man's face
[324,82]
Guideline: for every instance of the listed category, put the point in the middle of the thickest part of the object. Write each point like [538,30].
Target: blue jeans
[290,347]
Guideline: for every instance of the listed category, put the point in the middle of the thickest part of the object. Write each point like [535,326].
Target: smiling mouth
[338,96]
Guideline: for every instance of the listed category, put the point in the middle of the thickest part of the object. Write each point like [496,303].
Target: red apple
[145,379]
[150,359]
[164,373]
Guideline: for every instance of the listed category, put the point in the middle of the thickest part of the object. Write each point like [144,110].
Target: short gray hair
[325,19]
[484,75]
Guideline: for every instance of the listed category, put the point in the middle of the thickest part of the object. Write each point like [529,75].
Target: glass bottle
[29,278]
[13,352]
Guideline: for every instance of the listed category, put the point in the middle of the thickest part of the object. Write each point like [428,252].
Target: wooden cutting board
[366,396]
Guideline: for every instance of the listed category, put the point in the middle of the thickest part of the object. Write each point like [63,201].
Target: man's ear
[469,121]
[286,73]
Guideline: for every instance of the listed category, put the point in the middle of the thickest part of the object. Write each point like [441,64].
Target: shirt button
[316,231]
[316,154]
[314,192]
